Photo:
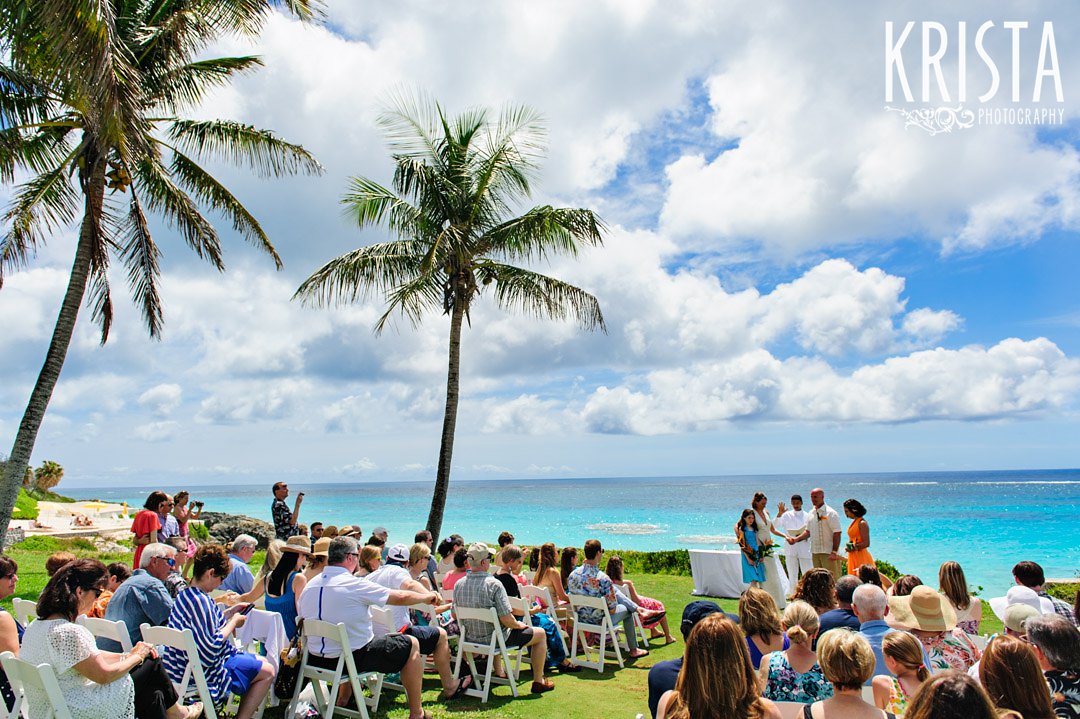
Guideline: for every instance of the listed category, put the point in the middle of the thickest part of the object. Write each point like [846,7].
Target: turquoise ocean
[985,520]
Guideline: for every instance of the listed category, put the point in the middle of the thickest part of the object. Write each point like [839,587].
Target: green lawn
[615,693]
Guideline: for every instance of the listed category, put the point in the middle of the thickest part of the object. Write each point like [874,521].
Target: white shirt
[336,596]
[793,523]
[824,522]
[392,576]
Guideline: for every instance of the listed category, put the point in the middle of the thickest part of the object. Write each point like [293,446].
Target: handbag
[289,667]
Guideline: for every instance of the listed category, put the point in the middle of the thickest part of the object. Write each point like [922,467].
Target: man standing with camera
[284,519]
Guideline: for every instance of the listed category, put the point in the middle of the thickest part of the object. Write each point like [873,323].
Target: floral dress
[897,699]
[787,685]
[950,650]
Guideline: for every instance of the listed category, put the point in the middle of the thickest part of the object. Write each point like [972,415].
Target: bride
[773,583]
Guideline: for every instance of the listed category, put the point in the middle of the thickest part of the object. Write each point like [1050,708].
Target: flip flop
[463,685]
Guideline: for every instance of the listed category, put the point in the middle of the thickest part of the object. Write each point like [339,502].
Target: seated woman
[1009,671]
[287,581]
[818,589]
[227,669]
[568,561]
[370,559]
[847,662]
[760,622]
[11,632]
[931,618]
[716,679]
[614,570]
[447,548]
[316,563]
[452,578]
[795,675]
[904,584]
[95,684]
[548,576]
[869,574]
[953,584]
[903,656]
[954,695]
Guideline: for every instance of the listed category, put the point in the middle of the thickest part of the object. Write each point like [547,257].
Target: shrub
[1064,591]
[26,505]
[41,544]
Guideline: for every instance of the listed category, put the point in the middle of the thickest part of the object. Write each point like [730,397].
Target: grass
[615,693]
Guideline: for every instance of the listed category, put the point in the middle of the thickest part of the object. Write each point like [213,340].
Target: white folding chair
[868,693]
[38,679]
[978,640]
[107,629]
[606,630]
[326,704]
[533,593]
[24,610]
[439,577]
[447,594]
[193,683]
[384,616]
[494,647]
[529,574]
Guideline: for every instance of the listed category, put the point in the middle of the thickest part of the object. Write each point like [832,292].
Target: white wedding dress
[775,580]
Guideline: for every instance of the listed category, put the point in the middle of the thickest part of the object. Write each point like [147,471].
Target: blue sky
[794,281]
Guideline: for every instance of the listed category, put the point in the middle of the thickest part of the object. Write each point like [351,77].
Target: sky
[801,274]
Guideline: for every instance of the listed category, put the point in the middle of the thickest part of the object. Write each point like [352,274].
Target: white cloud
[157,431]
[243,402]
[162,399]
[361,466]
[492,469]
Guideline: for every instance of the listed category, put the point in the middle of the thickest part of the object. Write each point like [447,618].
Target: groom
[824,534]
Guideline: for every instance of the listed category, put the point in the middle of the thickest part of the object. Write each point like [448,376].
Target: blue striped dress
[193,609]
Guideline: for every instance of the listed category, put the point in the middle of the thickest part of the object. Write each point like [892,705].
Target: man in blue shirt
[870,605]
[143,597]
[842,616]
[240,579]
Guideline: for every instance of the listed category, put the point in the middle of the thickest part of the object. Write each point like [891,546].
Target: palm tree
[91,105]
[47,476]
[455,185]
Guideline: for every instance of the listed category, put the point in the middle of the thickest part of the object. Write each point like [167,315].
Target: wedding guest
[953,584]
[227,669]
[95,683]
[843,615]
[568,561]
[240,579]
[716,679]
[903,656]
[589,581]
[1030,575]
[10,631]
[772,583]
[168,527]
[185,545]
[614,570]
[146,524]
[818,589]
[794,675]
[316,563]
[460,570]
[904,584]
[447,548]
[370,560]
[143,598]
[284,519]
[505,540]
[664,675]
[792,525]
[57,560]
[870,575]
[548,575]
[286,583]
[1057,648]
[1009,672]
[118,574]
[858,546]
[953,695]
[760,623]
[931,618]
[871,605]
[847,663]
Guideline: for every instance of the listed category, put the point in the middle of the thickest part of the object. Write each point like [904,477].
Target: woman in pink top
[459,570]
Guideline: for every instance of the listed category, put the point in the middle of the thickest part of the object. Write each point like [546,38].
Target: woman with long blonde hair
[953,584]
[717,680]
[760,622]
[1010,673]
[904,659]
[795,675]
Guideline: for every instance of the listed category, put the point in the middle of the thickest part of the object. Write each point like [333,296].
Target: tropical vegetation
[451,211]
[93,96]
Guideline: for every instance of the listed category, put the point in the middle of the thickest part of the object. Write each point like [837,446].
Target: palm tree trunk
[21,451]
[446,448]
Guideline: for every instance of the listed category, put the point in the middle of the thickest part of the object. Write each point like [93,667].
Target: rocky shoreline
[224,528]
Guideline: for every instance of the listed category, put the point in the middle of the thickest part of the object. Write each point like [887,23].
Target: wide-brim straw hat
[1021,595]
[298,544]
[322,547]
[923,609]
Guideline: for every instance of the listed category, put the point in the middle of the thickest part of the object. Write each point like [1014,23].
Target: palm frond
[543,231]
[263,152]
[541,296]
[212,193]
[186,86]
[39,206]
[36,151]
[163,196]
[24,100]
[369,203]
[356,275]
[411,123]
[99,300]
[140,255]
[413,299]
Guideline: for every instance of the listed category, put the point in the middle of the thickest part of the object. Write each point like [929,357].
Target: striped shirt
[194,610]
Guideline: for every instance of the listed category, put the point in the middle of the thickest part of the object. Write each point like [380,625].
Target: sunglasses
[168,560]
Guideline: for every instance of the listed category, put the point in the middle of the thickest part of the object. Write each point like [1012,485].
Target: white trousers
[797,565]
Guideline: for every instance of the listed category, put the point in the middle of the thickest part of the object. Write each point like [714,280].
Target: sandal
[463,686]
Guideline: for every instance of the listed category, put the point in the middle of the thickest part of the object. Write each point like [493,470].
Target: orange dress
[858,557]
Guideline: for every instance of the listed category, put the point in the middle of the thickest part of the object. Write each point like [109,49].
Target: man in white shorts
[791,524]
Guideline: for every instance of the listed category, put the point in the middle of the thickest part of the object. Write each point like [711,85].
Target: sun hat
[322,547]
[398,553]
[1020,594]
[478,552]
[348,530]
[923,609]
[1017,615]
[299,544]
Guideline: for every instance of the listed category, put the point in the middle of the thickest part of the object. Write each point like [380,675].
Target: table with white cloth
[718,573]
